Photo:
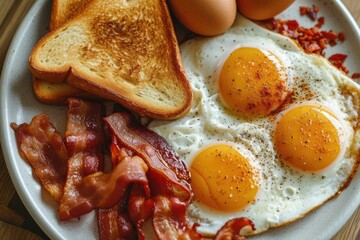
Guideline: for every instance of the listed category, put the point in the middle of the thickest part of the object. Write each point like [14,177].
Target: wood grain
[16,10]
[9,231]
[352,227]
[15,221]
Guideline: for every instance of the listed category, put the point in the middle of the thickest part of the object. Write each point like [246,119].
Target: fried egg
[272,132]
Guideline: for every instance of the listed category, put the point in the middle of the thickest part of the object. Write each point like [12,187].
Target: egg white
[284,194]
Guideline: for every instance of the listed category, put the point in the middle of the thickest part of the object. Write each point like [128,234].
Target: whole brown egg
[262,9]
[205,17]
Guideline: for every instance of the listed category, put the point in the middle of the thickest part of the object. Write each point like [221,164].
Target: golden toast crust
[62,10]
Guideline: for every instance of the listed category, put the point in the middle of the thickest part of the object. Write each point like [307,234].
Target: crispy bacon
[123,195]
[84,139]
[166,151]
[232,229]
[115,224]
[169,219]
[118,152]
[168,177]
[172,183]
[44,150]
[136,206]
[141,208]
[84,132]
[101,190]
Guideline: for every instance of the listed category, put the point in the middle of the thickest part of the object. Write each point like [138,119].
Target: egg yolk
[307,137]
[252,82]
[223,179]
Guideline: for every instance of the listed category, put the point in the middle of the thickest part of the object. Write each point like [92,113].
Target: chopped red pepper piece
[355,75]
[312,48]
[312,40]
[337,57]
[292,24]
[341,36]
[320,22]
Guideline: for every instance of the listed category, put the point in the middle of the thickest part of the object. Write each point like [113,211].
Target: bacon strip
[85,132]
[84,139]
[100,190]
[140,208]
[114,223]
[159,169]
[165,150]
[232,228]
[43,148]
[168,178]
[169,219]
[134,208]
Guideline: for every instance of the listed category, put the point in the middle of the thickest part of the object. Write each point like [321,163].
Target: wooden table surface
[15,221]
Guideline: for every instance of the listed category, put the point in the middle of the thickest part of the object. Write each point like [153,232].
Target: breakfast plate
[19,105]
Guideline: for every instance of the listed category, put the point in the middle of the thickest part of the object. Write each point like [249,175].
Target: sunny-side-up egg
[272,132]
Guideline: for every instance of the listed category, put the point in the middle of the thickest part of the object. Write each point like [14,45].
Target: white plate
[18,105]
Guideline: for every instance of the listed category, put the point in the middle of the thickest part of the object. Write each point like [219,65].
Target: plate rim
[14,174]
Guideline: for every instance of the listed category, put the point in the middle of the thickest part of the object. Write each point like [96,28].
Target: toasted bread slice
[56,93]
[122,50]
[53,93]
[62,10]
